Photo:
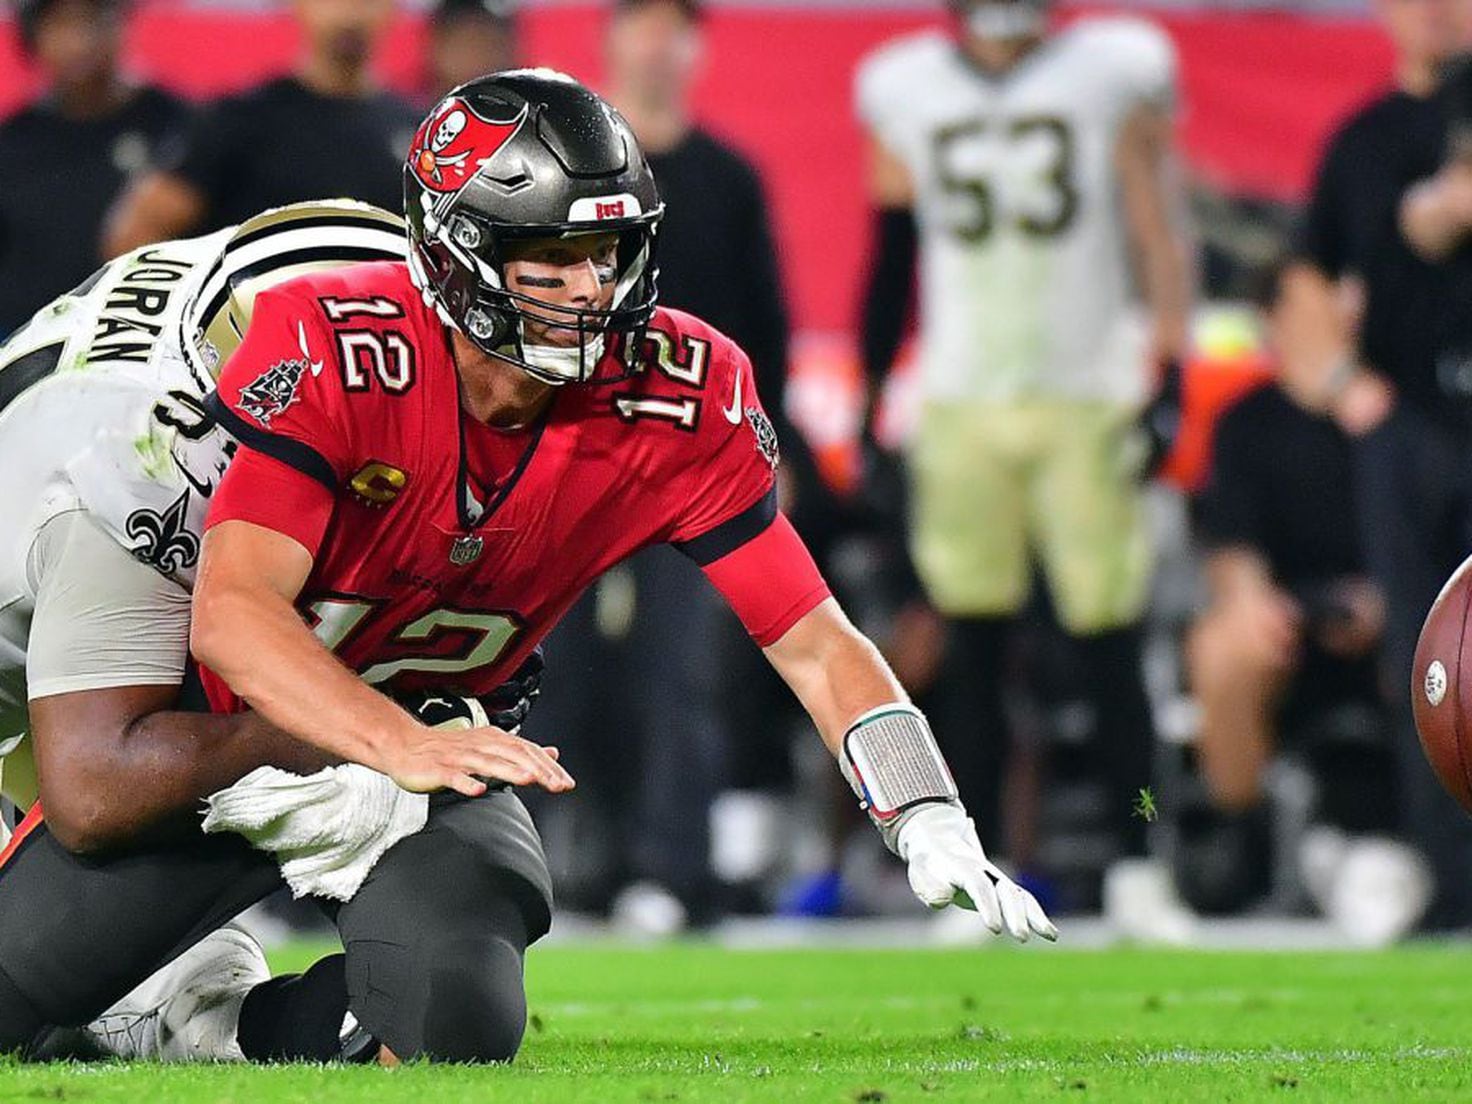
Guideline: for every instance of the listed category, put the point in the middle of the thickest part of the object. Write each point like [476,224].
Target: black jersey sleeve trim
[297,454]
[732,533]
[18,376]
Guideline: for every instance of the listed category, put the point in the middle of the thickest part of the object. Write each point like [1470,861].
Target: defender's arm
[114,764]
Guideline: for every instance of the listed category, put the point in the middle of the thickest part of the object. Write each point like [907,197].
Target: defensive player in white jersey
[1031,171]
[111,461]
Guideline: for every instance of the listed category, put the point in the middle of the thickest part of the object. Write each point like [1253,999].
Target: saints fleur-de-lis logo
[165,541]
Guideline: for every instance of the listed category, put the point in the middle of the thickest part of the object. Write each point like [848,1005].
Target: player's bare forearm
[246,630]
[834,670]
[1153,209]
[121,763]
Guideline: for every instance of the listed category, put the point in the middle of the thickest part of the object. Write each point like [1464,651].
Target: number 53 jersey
[440,562]
[1025,281]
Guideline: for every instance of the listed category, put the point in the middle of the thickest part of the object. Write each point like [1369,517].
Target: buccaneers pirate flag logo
[454,142]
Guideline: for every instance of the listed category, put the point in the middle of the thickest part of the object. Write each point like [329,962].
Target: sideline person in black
[1285,651]
[324,132]
[65,157]
[1383,337]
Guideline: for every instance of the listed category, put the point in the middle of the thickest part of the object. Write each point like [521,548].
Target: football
[1441,707]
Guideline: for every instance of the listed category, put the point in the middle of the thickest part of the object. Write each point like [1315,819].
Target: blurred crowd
[1164,701]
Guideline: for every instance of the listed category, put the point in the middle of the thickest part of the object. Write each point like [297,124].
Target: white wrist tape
[891,760]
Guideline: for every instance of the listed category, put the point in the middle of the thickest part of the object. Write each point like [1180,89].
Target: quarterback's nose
[582,283]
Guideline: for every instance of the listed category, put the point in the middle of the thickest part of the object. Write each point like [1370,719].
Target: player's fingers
[933,891]
[466,785]
[1037,919]
[549,772]
[1014,912]
[984,897]
[500,767]
[522,768]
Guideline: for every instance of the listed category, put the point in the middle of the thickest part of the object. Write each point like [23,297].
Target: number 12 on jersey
[336,620]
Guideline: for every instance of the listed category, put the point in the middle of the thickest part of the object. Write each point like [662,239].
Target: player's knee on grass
[476,1006]
[451,997]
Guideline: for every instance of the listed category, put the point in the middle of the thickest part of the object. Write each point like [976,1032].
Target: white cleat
[648,911]
[189,1011]
[1380,891]
[1141,905]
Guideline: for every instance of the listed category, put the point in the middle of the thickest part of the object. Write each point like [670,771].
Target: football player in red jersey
[436,458]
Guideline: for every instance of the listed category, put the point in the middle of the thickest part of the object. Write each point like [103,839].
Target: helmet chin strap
[563,363]
[1006,20]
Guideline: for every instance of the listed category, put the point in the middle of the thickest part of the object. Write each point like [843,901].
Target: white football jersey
[101,398]
[1025,278]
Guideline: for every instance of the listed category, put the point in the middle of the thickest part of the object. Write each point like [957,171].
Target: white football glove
[948,866]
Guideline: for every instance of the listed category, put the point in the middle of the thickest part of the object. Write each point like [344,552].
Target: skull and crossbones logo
[455,141]
[432,159]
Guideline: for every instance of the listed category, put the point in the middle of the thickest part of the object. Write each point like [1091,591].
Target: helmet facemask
[503,322]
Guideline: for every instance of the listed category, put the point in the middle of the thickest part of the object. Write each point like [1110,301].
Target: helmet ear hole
[489,327]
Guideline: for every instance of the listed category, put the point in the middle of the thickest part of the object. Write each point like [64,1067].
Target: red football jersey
[347,376]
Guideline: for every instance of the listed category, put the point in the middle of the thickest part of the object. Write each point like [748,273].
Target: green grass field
[699,1023]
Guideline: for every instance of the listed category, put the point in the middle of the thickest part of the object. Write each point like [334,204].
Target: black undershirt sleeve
[888,293]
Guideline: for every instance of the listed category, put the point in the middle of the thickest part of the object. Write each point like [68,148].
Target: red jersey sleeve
[771,581]
[728,492]
[262,490]
[281,392]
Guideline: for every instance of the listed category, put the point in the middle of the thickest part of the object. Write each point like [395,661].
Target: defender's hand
[948,866]
[457,757]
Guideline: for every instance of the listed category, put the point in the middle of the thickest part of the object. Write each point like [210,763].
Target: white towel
[326,829]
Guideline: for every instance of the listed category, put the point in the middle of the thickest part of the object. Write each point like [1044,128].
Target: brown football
[1441,686]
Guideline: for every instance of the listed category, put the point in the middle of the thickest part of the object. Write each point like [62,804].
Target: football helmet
[275,246]
[531,153]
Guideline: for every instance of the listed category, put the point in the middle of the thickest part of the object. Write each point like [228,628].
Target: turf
[698,1023]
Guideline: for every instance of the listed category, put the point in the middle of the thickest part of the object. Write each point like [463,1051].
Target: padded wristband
[891,760]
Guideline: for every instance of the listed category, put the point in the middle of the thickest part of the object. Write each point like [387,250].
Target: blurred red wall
[1260,92]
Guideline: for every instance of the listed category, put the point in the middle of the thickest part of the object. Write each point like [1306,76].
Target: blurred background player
[73,149]
[468,39]
[1376,309]
[1025,169]
[325,131]
[1285,656]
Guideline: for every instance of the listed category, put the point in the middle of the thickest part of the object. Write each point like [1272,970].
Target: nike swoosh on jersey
[733,412]
[301,336]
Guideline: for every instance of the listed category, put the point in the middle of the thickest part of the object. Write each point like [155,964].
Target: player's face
[345,31]
[1427,32]
[77,42]
[652,52]
[577,272]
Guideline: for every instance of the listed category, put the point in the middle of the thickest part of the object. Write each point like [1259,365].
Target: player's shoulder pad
[886,77]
